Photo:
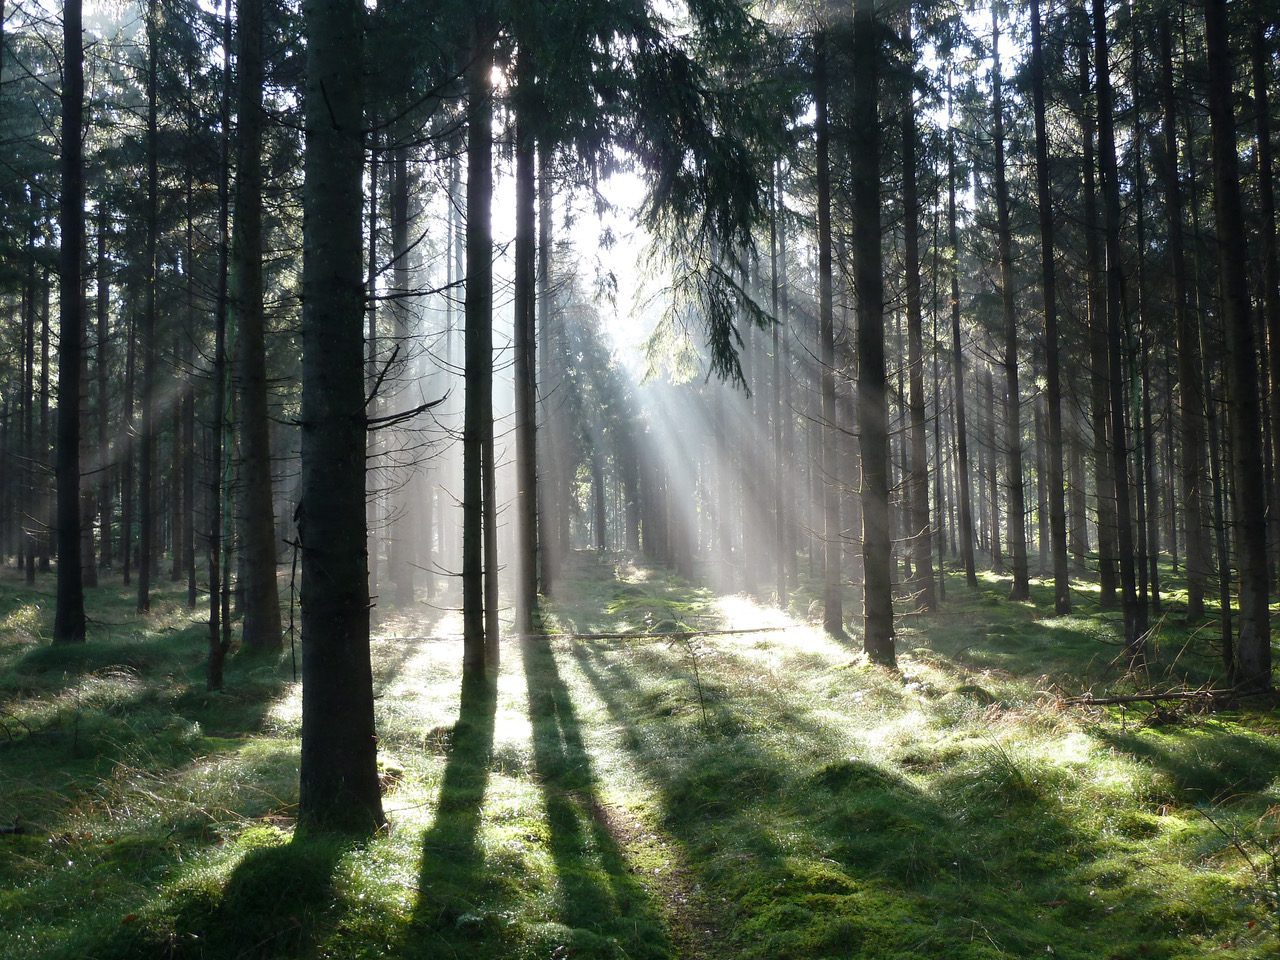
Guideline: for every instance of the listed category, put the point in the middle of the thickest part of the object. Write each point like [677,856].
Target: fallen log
[1169,695]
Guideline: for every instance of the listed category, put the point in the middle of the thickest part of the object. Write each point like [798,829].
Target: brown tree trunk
[339,773]
[832,604]
[1252,668]
[1016,504]
[524,346]
[873,412]
[69,619]
[920,529]
[261,626]
[957,356]
[1052,481]
[1117,326]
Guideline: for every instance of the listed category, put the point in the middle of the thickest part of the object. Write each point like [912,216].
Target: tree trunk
[69,621]
[957,359]
[1270,256]
[548,499]
[261,626]
[1117,326]
[525,396]
[102,365]
[1190,375]
[219,629]
[920,529]
[1017,541]
[147,437]
[477,432]
[833,613]
[873,413]
[1104,485]
[1053,480]
[779,414]
[373,496]
[30,489]
[339,771]
[1253,643]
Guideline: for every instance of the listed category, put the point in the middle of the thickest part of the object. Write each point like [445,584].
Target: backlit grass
[763,795]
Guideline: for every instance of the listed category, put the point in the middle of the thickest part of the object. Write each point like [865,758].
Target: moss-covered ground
[758,795]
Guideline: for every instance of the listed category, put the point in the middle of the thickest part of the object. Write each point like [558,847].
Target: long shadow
[600,897]
[456,897]
[280,901]
[903,868]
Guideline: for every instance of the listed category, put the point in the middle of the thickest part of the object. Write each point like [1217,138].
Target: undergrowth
[758,795]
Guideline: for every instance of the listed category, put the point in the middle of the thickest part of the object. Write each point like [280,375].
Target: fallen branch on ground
[1171,695]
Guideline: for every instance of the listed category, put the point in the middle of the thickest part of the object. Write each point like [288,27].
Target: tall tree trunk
[403,506]
[478,417]
[372,493]
[1021,589]
[44,516]
[939,456]
[261,626]
[1140,374]
[1253,643]
[920,530]
[219,628]
[147,437]
[1053,481]
[88,490]
[1134,612]
[339,770]
[873,412]
[525,396]
[957,357]
[1270,256]
[1104,484]
[993,466]
[30,474]
[779,413]
[1190,375]
[548,527]
[101,368]
[128,491]
[833,612]
[68,620]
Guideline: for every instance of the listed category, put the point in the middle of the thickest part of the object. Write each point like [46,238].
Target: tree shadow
[606,910]
[822,854]
[455,899]
[279,901]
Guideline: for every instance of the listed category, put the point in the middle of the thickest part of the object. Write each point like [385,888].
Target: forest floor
[759,795]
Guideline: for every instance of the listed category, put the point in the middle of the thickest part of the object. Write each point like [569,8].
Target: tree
[479,539]
[873,413]
[524,345]
[1189,374]
[832,604]
[921,532]
[1252,668]
[957,358]
[69,620]
[1049,291]
[261,627]
[1135,625]
[1013,421]
[339,773]
[147,555]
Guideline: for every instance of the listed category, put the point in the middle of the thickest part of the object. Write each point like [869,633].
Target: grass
[766,795]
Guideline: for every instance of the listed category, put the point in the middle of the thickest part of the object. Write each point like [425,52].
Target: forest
[639,479]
